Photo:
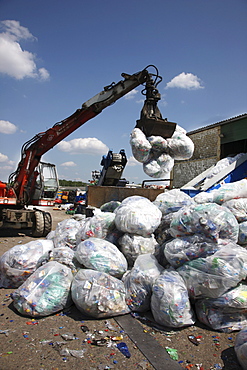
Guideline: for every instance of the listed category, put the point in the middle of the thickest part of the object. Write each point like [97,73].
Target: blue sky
[55,55]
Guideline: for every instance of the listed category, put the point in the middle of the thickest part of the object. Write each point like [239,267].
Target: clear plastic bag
[238,207]
[133,246]
[110,206]
[45,292]
[170,304]
[242,236]
[66,256]
[180,146]
[137,215]
[140,145]
[209,219]
[65,233]
[187,248]
[97,226]
[227,313]
[101,255]
[139,280]
[212,276]
[240,347]
[227,191]
[98,294]
[22,260]
[158,143]
[172,201]
[158,165]
[162,233]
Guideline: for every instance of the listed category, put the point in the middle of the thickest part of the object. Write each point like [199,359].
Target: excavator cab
[151,122]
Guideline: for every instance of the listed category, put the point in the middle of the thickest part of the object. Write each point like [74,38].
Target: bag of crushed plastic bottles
[98,294]
[209,219]
[97,226]
[212,276]
[162,233]
[238,207]
[180,146]
[139,280]
[65,233]
[240,347]
[22,260]
[172,200]
[137,215]
[101,255]
[45,292]
[140,145]
[187,248]
[170,304]
[110,206]
[227,313]
[133,246]
[242,236]
[223,163]
[227,191]
[158,165]
[66,256]
[158,143]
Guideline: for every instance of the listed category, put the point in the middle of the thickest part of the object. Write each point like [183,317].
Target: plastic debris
[193,340]
[173,353]
[123,348]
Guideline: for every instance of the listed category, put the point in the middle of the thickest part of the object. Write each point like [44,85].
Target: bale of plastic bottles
[227,191]
[188,248]
[133,246]
[45,292]
[242,236]
[19,262]
[170,304]
[212,276]
[209,219]
[240,347]
[172,201]
[101,255]
[226,313]
[97,226]
[98,294]
[139,280]
[137,215]
[65,233]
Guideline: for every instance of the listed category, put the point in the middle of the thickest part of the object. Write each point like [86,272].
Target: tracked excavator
[27,186]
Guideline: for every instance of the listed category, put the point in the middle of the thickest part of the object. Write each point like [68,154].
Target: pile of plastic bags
[158,154]
[179,257]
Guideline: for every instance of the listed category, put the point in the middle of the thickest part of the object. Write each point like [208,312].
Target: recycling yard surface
[70,340]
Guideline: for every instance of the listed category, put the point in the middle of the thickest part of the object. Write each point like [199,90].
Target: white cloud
[131,94]
[14,61]
[89,145]
[132,162]
[185,81]
[3,158]
[7,127]
[68,164]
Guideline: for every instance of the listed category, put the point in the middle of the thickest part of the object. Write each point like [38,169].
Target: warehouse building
[212,143]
